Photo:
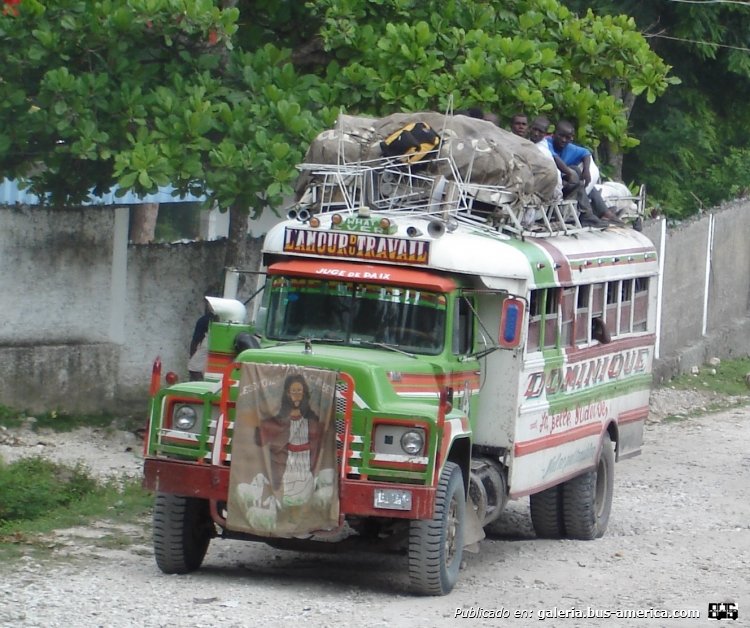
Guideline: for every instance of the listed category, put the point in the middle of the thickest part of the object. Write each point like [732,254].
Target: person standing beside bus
[198,356]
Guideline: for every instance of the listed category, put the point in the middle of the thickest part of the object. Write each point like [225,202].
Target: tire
[587,499]
[436,545]
[183,529]
[546,513]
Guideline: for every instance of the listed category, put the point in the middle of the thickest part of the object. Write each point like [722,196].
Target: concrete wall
[83,314]
[706,292]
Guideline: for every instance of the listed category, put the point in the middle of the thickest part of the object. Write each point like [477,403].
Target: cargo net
[435,188]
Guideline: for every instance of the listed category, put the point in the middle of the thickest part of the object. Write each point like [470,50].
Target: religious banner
[283,480]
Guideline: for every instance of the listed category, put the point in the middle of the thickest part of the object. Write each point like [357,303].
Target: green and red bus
[452,364]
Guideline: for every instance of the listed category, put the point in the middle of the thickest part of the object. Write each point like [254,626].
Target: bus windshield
[356,314]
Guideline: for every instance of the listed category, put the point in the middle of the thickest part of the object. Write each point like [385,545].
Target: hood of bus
[385,381]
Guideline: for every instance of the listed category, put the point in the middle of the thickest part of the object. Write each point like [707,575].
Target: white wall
[83,314]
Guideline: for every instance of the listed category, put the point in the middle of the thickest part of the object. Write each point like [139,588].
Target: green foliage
[177,221]
[116,502]
[32,487]
[530,55]
[730,178]
[727,379]
[693,140]
[64,422]
[224,101]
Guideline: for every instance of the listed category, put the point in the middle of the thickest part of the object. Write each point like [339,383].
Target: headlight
[184,417]
[412,442]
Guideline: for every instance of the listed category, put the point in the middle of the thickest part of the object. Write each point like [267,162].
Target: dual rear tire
[580,507]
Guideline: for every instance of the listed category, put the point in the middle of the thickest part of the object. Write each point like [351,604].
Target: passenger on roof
[479,114]
[519,125]
[574,163]
[538,134]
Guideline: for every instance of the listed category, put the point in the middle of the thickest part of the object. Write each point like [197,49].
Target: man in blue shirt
[574,163]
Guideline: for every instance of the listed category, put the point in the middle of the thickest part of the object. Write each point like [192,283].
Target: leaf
[144,179]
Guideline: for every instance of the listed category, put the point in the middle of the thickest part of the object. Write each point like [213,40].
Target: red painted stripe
[581,355]
[426,382]
[636,414]
[562,264]
[446,439]
[404,466]
[554,440]
[217,361]
[444,377]
[371,273]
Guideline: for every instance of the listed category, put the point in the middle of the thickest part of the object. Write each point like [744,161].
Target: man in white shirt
[537,133]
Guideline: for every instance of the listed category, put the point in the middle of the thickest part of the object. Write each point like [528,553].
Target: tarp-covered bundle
[481,153]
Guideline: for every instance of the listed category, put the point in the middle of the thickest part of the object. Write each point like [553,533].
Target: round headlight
[184,417]
[412,442]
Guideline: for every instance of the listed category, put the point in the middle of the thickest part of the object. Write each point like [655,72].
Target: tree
[693,149]
[528,55]
[143,93]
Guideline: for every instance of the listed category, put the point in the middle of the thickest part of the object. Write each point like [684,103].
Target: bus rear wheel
[183,528]
[436,545]
[546,513]
[587,499]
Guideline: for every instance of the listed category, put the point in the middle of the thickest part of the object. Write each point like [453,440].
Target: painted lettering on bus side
[561,462]
[356,245]
[586,374]
[352,274]
[596,411]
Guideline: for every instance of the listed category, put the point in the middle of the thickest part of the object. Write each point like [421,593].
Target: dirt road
[678,539]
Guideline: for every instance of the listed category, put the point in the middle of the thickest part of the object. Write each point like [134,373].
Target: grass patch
[728,378]
[64,422]
[40,496]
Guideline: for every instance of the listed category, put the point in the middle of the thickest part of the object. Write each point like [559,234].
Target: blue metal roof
[10,194]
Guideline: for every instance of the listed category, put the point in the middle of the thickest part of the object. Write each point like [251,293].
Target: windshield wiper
[322,339]
[384,345]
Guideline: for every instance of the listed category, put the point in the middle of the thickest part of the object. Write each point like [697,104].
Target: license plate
[392,499]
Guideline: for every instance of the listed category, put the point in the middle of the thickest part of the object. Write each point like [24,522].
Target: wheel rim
[451,530]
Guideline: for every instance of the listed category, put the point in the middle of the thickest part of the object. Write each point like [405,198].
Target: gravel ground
[678,539]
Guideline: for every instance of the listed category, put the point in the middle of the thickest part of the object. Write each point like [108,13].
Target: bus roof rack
[390,185]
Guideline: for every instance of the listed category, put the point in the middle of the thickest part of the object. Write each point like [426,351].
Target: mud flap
[473,530]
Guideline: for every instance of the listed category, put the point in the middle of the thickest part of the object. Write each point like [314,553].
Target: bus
[412,366]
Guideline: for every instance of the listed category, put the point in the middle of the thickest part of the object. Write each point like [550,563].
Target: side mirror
[511,321]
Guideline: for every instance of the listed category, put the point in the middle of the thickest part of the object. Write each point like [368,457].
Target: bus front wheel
[436,545]
[183,529]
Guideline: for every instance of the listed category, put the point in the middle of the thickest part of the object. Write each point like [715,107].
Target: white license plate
[392,499]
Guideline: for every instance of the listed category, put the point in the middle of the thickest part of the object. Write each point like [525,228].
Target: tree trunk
[235,254]
[614,158]
[143,222]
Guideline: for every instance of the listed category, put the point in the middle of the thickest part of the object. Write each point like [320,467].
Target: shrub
[32,487]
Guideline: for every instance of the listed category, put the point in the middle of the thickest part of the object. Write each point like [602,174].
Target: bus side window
[626,307]
[535,320]
[640,304]
[583,305]
[463,327]
[568,316]
[551,318]
[613,295]
[597,300]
